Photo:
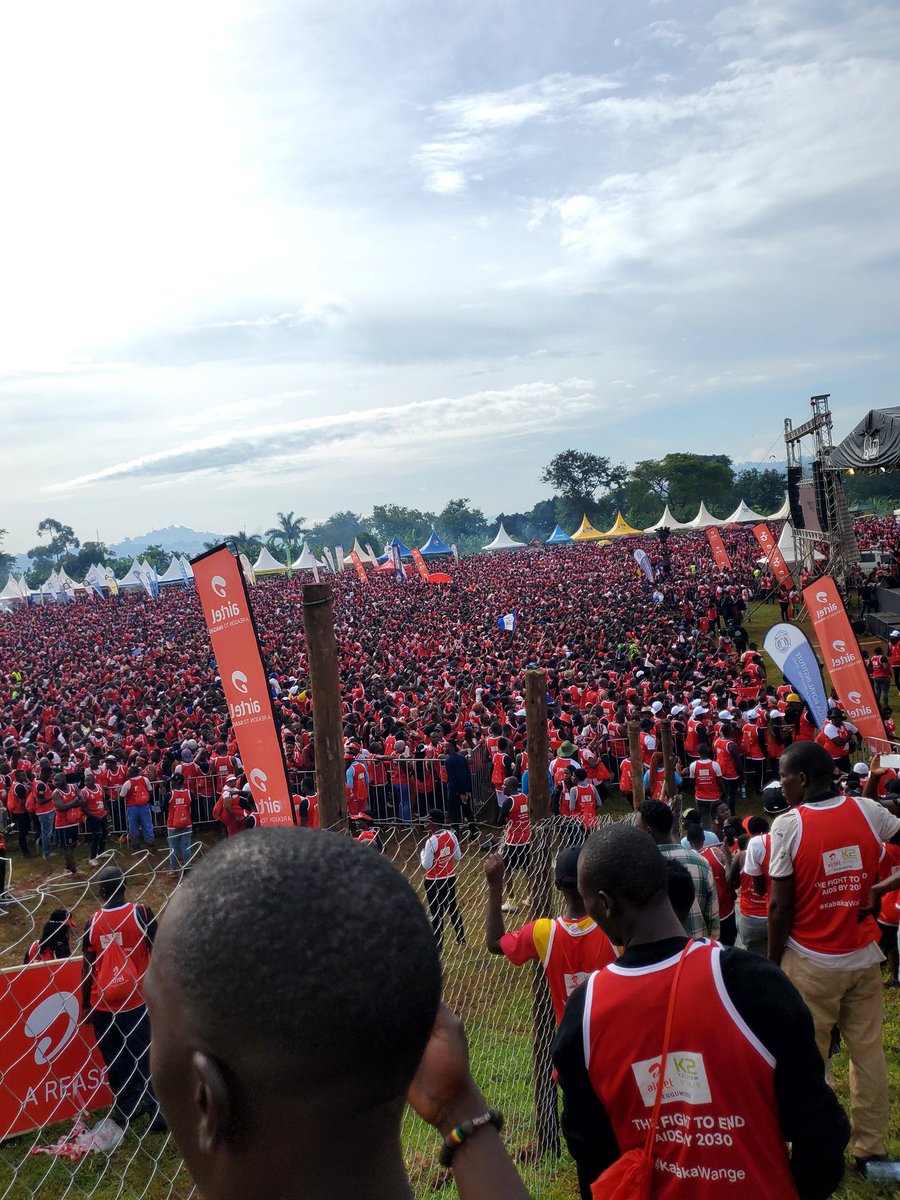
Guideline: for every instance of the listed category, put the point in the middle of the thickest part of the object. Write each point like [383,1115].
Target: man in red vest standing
[742,1078]
[439,857]
[824,860]
[118,940]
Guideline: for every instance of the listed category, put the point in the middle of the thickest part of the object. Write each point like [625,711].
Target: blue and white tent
[405,551]
[434,546]
[557,538]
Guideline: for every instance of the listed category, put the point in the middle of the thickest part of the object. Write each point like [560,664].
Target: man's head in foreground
[293,989]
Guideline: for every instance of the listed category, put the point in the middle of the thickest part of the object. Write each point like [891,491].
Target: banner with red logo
[719,553]
[774,557]
[840,652]
[360,569]
[50,1067]
[420,564]
[226,607]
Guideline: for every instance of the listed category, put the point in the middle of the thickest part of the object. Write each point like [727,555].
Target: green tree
[762,490]
[341,529]
[458,521]
[681,481]
[245,543]
[6,560]
[62,543]
[157,557]
[77,565]
[410,525]
[577,476]
[288,534]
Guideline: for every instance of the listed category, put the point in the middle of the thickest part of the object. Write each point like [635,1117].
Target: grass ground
[494,997]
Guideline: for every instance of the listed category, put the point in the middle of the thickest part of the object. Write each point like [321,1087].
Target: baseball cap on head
[774,801]
[894,634]
[861,768]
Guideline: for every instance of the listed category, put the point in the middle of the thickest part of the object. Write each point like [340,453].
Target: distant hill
[174,538]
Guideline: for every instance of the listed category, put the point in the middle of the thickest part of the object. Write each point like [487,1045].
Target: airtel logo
[854,697]
[840,645]
[822,597]
[259,779]
[42,1019]
[239,679]
[217,583]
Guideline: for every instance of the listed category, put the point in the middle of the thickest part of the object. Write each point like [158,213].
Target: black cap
[774,802]
[435,815]
[567,867]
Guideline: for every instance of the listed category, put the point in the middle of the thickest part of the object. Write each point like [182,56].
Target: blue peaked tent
[557,538]
[434,546]
[405,551]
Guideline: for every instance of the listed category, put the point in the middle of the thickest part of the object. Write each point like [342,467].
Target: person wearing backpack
[117,943]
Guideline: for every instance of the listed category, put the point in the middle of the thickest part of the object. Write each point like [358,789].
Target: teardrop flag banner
[360,569]
[223,594]
[719,553]
[840,652]
[420,564]
[789,649]
[774,557]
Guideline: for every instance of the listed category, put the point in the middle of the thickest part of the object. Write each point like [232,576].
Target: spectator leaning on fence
[302,1100]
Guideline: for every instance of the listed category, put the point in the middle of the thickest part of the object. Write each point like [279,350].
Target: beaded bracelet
[457,1136]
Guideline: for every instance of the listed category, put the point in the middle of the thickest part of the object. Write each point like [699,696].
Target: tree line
[581,483]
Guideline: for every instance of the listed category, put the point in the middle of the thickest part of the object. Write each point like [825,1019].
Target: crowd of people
[112,718]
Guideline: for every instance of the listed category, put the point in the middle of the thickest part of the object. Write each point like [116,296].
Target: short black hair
[657,815]
[756,825]
[812,759]
[623,861]
[303,941]
[681,888]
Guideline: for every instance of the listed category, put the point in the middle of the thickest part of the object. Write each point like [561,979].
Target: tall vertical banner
[223,594]
[643,561]
[420,564]
[360,569]
[339,557]
[397,563]
[795,658]
[774,557]
[719,553]
[840,651]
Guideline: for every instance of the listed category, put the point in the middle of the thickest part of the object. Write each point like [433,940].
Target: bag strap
[667,1037]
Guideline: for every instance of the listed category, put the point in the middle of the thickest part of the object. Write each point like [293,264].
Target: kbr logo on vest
[685,1080]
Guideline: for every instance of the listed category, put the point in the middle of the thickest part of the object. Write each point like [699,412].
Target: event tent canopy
[621,528]
[786,546]
[783,513]
[744,515]
[666,521]
[586,532]
[172,573]
[364,555]
[557,538]
[433,546]
[307,561]
[268,564]
[405,551]
[873,444]
[12,592]
[185,562]
[503,541]
[704,519]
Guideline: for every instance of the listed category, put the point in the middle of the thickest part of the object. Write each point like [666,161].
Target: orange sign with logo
[840,652]
[719,553]
[360,569]
[774,557]
[226,607]
[49,1062]
[420,565]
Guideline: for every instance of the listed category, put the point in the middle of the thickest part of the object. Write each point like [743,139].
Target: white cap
[895,633]
[861,769]
[700,711]
[724,715]
[676,709]
[656,706]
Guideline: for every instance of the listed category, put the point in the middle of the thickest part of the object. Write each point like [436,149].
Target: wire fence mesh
[63,1134]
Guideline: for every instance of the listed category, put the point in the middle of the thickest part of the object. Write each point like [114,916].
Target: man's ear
[213,1102]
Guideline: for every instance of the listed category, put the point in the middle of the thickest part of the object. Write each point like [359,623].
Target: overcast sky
[334,253]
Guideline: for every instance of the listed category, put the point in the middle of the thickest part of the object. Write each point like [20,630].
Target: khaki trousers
[853,1000]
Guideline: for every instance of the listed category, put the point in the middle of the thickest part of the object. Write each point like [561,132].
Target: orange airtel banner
[420,565]
[360,569]
[840,651]
[49,1062]
[719,553]
[226,607]
[774,557]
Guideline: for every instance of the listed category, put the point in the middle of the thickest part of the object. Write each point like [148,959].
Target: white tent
[307,561]
[786,546]
[783,513]
[268,564]
[364,556]
[704,519]
[503,541]
[65,580]
[12,594]
[666,521]
[744,515]
[131,578]
[185,562]
[172,573]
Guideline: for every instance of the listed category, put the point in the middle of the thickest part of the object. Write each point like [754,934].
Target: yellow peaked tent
[586,532]
[621,528]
